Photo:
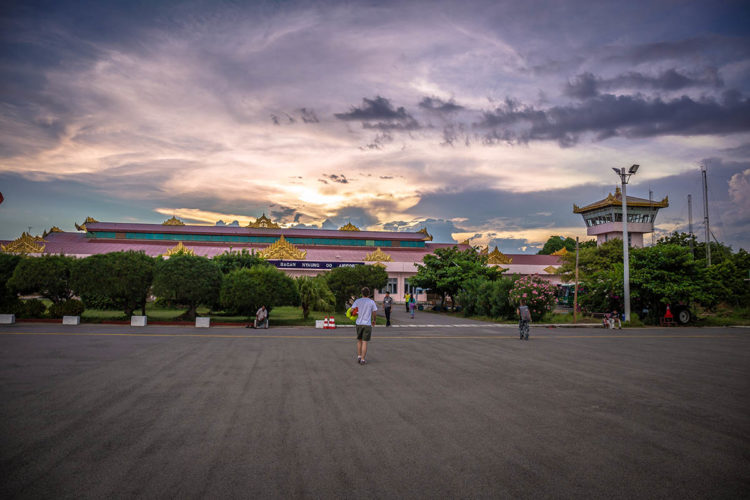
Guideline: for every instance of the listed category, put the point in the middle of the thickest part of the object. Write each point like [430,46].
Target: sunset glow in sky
[477,119]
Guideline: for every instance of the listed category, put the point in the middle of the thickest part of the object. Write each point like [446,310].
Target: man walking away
[387,303]
[525,318]
[366,316]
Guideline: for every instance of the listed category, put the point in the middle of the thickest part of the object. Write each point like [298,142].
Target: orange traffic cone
[332,323]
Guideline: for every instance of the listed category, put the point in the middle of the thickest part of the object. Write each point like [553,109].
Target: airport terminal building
[297,251]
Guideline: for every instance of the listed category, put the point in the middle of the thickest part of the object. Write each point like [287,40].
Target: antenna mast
[690,223]
[705,215]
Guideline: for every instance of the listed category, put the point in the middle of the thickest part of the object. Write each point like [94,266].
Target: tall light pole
[624,177]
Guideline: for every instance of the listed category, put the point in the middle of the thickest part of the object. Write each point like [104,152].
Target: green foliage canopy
[8,263]
[48,276]
[447,270]
[231,261]
[314,294]
[347,282]
[187,279]
[121,278]
[244,290]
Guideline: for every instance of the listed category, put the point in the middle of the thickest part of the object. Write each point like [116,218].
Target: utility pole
[705,215]
[575,290]
[690,223]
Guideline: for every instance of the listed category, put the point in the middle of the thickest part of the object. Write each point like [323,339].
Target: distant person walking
[366,315]
[524,319]
[412,305]
[387,303]
[407,297]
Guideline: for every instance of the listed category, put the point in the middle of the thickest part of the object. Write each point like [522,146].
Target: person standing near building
[406,300]
[366,315]
[387,303]
[412,305]
[524,319]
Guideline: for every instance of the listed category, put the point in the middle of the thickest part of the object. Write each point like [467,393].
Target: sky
[480,120]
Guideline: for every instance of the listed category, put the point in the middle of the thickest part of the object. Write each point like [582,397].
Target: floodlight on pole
[625,177]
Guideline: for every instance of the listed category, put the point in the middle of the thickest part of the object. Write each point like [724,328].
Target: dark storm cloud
[379,113]
[624,116]
[729,47]
[281,213]
[379,141]
[586,85]
[439,105]
[356,215]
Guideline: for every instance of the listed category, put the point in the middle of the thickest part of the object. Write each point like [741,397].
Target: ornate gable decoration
[263,222]
[378,256]
[561,252]
[88,220]
[25,244]
[497,257]
[349,227]
[427,236]
[550,270]
[281,249]
[174,221]
[179,249]
[53,229]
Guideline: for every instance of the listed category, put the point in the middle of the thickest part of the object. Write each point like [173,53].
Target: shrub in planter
[539,294]
[32,308]
[71,307]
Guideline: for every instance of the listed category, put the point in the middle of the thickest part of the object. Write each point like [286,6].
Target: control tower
[604,218]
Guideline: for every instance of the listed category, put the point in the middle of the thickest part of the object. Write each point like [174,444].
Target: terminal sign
[306,264]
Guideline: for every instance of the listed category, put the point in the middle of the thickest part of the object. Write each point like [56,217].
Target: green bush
[482,297]
[32,308]
[187,279]
[48,276]
[244,290]
[71,307]
[539,294]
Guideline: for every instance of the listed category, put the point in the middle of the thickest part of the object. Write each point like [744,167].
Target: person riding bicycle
[525,318]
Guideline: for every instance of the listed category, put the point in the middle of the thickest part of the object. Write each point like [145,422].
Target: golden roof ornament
[281,249]
[427,236]
[173,221]
[466,242]
[26,244]
[263,222]
[497,257]
[550,270]
[349,227]
[485,250]
[88,220]
[561,252]
[178,249]
[378,256]
[53,229]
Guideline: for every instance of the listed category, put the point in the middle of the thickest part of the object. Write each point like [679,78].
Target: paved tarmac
[469,411]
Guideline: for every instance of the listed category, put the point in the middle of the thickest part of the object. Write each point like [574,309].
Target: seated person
[615,318]
[605,321]
[261,318]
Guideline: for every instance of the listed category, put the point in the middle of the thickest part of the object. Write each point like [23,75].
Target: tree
[231,261]
[121,278]
[8,298]
[314,294]
[555,243]
[189,280]
[244,290]
[719,251]
[482,297]
[446,271]
[347,282]
[49,276]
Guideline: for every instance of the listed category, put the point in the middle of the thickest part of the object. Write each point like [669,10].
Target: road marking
[379,337]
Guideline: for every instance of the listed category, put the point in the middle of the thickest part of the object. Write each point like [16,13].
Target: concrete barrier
[138,321]
[7,319]
[203,322]
[71,320]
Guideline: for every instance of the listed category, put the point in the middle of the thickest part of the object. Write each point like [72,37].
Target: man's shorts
[364,332]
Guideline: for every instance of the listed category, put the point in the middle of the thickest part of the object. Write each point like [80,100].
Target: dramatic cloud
[437,104]
[586,85]
[627,116]
[379,113]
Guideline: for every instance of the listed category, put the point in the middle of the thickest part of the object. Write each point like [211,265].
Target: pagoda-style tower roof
[616,201]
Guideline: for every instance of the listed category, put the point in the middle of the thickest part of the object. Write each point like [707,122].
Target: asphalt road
[470,411]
